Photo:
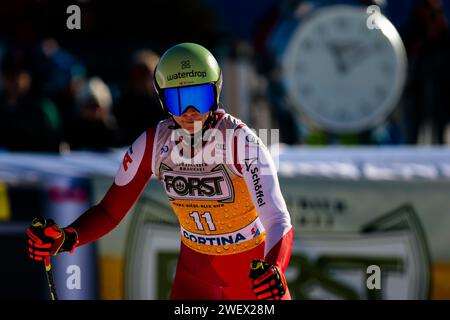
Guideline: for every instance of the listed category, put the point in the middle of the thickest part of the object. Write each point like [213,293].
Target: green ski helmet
[188,75]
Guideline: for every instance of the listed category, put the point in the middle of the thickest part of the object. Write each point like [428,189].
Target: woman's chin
[192,127]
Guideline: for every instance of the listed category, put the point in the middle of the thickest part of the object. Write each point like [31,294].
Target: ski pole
[51,284]
[40,223]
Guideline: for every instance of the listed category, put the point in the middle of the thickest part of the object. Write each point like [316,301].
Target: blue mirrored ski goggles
[200,97]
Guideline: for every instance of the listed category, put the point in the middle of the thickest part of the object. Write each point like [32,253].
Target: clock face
[341,75]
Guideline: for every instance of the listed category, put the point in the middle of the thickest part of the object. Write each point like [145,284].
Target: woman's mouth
[191,121]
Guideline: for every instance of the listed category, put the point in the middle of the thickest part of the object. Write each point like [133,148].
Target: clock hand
[357,54]
[337,52]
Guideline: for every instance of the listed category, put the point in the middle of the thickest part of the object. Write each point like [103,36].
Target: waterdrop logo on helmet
[190,74]
[185,64]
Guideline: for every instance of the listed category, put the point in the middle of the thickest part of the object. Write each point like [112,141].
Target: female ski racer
[235,229]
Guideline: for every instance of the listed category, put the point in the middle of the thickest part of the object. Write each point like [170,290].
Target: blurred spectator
[139,107]
[62,75]
[28,122]
[93,127]
[426,101]
[270,41]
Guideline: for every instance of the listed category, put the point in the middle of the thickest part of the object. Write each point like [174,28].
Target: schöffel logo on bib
[190,74]
[215,185]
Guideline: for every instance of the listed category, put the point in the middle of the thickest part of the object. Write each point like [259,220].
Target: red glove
[268,281]
[46,238]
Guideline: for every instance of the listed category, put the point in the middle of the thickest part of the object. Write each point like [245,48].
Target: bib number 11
[206,216]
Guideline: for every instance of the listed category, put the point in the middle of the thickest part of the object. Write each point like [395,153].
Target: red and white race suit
[224,190]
